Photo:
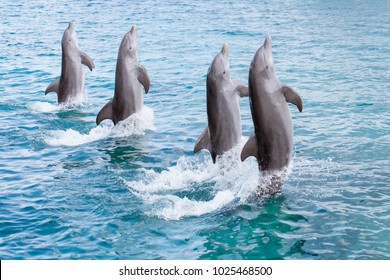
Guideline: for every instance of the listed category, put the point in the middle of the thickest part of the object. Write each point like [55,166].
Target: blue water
[71,190]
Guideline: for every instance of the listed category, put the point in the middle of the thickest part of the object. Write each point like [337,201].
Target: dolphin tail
[292,97]
[251,148]
[105,113]
[86,60]
[143,78]
[203,141]
[243,91]
[54,87]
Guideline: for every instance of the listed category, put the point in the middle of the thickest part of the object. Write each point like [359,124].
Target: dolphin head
[69,39]
[128,46]
[219,68]
[263,60]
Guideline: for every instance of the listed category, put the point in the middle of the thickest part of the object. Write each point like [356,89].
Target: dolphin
[70,85]
[272,140]
[223,111]
[129,76]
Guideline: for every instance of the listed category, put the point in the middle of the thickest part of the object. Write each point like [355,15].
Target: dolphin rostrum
[223,111]
[129,76]
[272,140]
[70,85]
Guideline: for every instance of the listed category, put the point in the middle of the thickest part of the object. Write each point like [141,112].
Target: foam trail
[136,124]
[195,186]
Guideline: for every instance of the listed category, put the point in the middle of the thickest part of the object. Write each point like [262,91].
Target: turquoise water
[71,190]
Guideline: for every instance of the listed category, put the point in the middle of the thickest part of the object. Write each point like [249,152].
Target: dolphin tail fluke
[251,148]
[143,78]
[243,91]
[53,87]
[105,113]
[203,141]
[87,60]
[292,97]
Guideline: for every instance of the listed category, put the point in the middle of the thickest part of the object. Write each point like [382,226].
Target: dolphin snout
[133,29]
[71,25]
[225,49]
[267,42]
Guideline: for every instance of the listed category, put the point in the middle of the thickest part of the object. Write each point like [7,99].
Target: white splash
[175,207]
[79,100]
[136,124]
[44,107]
[71,137]
[227,182]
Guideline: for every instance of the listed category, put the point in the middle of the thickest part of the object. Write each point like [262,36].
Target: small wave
[195,186]
[136,124]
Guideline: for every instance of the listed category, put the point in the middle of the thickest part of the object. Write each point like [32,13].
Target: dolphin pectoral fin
[86,60]
[53,87]
[203,141]
[251,148]
[143,78]
[243,91]
[105,113]
[292,97]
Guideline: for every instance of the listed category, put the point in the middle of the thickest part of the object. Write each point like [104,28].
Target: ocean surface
[72,190]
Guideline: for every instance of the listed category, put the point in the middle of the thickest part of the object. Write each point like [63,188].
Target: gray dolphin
[223,112]
[272,141]
[70,85]
[129,76]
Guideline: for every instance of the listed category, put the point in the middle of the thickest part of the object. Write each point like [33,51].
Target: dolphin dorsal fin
[86,60]
[54,86]
[143,78]
[105,113]
[203,141]
[292,97]
[251,148]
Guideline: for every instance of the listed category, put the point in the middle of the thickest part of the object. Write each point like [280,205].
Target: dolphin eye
[266,67]
[224,72]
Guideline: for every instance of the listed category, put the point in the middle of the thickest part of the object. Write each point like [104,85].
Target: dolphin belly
[71,81]
[128,98]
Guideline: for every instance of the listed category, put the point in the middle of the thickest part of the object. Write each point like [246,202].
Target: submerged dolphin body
[272,141]
[129,77]
[223,111]
[70,85]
